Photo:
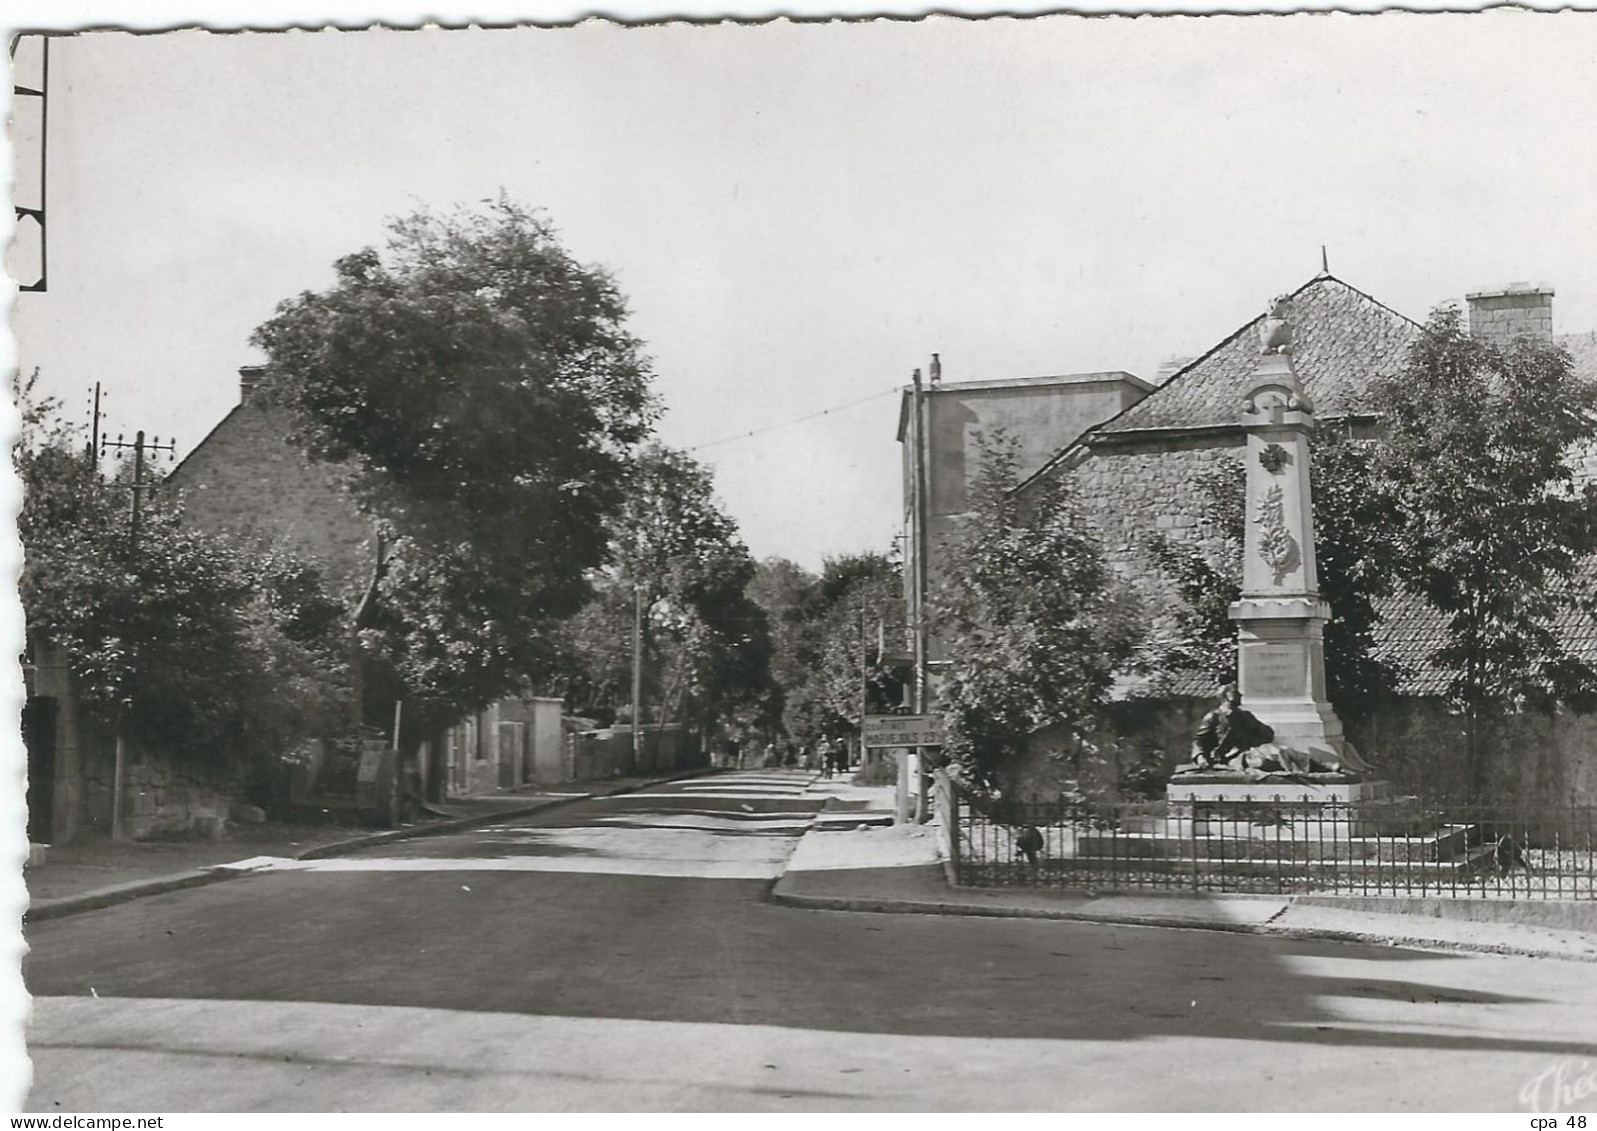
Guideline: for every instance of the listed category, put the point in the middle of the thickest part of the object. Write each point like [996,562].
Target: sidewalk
[97,872]
[901,869]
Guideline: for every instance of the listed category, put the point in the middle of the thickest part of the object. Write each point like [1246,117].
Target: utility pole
[637,676]
[864,690]
[922,545]
[94,428]
[917,595]
[124,706]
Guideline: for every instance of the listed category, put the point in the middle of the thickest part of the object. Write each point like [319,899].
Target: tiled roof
[1341,337]
[1411,631]
[1583,349]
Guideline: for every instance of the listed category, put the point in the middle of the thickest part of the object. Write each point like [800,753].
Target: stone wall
[1539,761]
[160,798]
[1131,494]
[246,479]
[607,753]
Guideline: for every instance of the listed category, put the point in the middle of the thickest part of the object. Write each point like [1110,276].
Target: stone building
[1037,413]
[246,479]
[1135,471]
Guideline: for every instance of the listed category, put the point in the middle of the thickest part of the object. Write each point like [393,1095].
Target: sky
[800,214]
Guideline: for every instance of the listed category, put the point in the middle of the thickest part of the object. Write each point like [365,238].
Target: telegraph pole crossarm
[140,448]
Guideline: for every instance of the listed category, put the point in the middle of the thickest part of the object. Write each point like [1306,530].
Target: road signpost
[903,730]
[908,733]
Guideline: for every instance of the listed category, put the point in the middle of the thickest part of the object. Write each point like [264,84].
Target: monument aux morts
[1276,720]
[1275,738]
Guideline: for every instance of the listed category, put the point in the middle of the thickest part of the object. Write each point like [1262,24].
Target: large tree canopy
[1493,529]
[481,385]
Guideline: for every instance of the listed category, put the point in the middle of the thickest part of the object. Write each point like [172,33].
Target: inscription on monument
[1275,671]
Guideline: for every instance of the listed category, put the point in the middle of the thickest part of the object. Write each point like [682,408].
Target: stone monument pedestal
[1234,830]
[1281,669]
[1216,786]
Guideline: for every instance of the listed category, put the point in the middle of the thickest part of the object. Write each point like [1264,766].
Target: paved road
[621,955]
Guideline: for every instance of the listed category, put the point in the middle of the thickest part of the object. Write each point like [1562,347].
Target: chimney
[249,379]
[1517,310]
[1170,366]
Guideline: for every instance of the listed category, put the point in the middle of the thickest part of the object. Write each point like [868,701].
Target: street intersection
[623,954]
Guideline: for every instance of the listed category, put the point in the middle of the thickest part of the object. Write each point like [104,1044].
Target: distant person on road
[828,758]
[839,757]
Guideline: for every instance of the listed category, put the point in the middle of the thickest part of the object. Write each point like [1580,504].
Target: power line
[800,420]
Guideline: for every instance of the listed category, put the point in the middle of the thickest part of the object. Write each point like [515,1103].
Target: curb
[177,881]
[888,905]
[1377,938]
[122,893]
[885,906]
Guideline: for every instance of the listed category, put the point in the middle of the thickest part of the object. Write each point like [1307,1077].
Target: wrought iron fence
[1396,846]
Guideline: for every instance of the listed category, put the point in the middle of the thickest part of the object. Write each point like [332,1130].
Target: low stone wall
[1420,745]
[1537,760]
[160,798]
[608,753]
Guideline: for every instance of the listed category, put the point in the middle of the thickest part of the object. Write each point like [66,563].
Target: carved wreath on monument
[1276,545]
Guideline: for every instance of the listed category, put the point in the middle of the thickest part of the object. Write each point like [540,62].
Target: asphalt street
[622,954]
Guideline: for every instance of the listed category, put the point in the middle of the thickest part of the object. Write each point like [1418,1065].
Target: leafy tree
[595,673]
[706,642]
[218,649]
[1493,529]
[481,387]
[1356,521]
[1208,579]
[787,593]
[854,595]
[1032,624]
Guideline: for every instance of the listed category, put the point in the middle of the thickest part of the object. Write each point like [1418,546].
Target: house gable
[247,480]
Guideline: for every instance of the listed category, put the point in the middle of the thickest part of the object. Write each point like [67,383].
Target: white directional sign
[903,730]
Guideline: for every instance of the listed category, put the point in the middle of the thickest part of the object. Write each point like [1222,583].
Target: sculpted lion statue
[1275,332]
